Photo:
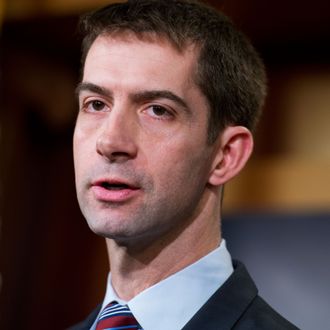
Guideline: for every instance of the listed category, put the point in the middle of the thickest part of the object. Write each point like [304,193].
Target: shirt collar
[171,303]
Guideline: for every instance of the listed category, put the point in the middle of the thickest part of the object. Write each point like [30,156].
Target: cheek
[177,164]
[82,150]
[77,141]
[85,134]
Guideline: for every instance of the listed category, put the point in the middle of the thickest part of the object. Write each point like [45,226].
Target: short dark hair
[229,71]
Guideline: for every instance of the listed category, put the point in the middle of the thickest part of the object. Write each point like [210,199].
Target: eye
[160,112]
[94,106]
[97,105]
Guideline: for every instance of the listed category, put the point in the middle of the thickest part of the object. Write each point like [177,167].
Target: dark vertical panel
[49,256]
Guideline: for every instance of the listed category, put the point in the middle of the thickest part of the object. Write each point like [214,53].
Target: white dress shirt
[171,303]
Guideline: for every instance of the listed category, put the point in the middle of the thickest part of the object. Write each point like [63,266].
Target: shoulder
[236,305]
[259,315]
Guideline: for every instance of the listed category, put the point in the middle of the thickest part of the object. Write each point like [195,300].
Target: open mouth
[115,186]
[114,191]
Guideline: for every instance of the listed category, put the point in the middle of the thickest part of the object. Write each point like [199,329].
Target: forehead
[134,57]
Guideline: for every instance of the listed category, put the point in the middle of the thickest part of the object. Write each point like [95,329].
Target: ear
[234,147]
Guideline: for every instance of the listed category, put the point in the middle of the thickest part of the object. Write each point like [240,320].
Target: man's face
[141,158]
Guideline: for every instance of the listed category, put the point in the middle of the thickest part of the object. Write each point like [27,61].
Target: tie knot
[116,316]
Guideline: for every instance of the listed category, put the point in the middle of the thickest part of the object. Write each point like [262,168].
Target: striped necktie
[115,316]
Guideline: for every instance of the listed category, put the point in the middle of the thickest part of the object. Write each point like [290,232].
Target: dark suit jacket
[235,305]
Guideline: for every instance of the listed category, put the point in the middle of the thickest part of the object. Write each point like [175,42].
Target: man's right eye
[93,106]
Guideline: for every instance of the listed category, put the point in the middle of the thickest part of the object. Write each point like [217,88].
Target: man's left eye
[159,111]
[97,105]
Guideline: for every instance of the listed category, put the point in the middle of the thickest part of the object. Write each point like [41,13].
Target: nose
[117,139]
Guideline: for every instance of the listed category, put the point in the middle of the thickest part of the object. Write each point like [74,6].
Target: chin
[108,228]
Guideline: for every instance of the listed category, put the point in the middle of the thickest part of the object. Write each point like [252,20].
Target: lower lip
[107,195]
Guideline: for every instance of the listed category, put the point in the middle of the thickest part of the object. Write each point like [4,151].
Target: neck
[134,268]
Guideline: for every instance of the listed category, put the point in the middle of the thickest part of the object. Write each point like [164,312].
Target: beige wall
[297,176]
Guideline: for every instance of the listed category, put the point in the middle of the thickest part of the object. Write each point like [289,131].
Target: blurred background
[277,212]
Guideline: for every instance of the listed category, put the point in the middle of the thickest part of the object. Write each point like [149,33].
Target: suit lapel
[227,304]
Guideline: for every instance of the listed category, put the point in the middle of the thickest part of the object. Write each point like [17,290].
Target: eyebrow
[159,94]
[90,87]
[138,97]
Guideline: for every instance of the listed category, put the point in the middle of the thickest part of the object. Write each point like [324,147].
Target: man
[169,95]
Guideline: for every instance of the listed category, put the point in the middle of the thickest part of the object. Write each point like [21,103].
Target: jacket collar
[228,303]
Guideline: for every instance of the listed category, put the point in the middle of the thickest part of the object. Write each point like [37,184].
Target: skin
[143,122]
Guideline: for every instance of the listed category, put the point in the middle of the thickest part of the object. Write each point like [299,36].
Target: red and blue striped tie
[116,317]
